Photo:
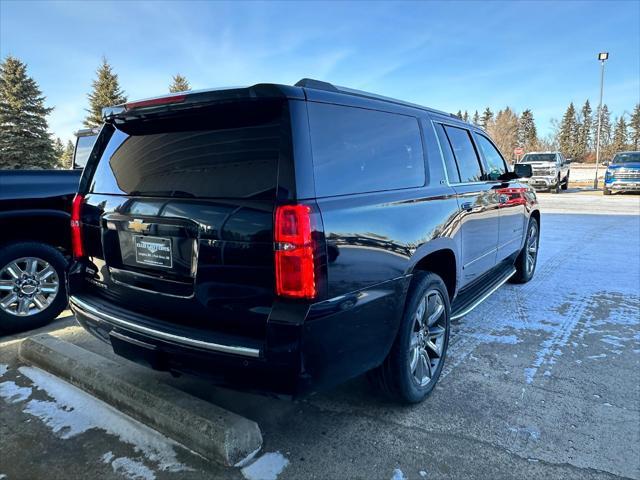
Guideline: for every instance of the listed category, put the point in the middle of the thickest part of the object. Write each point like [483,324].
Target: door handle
[467,206]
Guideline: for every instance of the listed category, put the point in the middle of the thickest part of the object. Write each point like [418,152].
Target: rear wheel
[32,285]
[412,368]
[527,259]
[606,191]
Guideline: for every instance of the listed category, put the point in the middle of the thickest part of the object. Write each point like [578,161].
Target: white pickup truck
[550,170]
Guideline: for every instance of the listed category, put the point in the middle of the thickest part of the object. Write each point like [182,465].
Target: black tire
[395,377]
[606,191]
[523,272]
[8,254]
[565,185]
[556,189]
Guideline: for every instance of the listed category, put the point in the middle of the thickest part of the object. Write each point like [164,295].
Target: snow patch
[74,411]
[266,467]
[13,393]
[398,475]
[129,468]
[3,369]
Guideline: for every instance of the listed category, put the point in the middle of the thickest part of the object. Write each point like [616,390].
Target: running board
[466,302]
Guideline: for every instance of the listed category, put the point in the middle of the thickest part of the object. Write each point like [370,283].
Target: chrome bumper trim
[90,311]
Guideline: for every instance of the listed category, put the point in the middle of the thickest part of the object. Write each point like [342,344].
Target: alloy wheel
[28,286]
[427,337]
[532,248]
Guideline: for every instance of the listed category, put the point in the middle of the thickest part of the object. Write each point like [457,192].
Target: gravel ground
[542,381]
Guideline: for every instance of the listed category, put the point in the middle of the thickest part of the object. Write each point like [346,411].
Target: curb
[216,434]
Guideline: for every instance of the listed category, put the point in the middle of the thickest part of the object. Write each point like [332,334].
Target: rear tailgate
[178,217]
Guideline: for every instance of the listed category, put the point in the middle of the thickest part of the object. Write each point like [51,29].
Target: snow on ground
[266,467]
[588,275]
[71,411]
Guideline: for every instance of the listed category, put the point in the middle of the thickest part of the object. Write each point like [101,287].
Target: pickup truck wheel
[527,259]
[556,188]
[32,285]
[565,185]
[413,366]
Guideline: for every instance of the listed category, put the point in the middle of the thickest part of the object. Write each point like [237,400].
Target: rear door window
[465,154]
[356,150]
[450,163]
[226,152]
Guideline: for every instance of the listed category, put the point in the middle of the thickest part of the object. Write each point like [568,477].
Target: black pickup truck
[35,211]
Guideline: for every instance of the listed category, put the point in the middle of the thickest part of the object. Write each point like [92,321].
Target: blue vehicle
[623,173]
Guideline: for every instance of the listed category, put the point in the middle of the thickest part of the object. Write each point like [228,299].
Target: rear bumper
[91,310]
[307,348]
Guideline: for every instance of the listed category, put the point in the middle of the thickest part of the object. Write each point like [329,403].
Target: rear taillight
[76,227]
[294,254]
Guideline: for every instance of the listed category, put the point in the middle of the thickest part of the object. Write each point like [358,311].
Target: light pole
[602,56]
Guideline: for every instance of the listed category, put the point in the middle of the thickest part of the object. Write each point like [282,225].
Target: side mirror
[606,163]
[523,170]
[568,160]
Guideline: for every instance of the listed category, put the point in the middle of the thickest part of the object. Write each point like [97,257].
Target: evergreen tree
[459,114]
[24,139]
[59,150]
[585,125]
[605,132]
[179,83]
[619,142]
[487,117]
[106,92]
[67,156]
[527,132]
[634,124]
[567,133]
[465,116]
[476,118]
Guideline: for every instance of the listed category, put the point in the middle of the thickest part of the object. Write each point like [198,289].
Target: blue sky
[456,55]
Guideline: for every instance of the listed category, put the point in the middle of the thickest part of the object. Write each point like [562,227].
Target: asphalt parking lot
[542,381]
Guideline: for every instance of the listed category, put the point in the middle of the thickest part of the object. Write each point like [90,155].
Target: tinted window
[493,161]
[465,154]
[449,161]
[357,150]
[83,149]
[229,151]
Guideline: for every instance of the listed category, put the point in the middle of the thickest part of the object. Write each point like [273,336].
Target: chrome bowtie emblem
[138,226]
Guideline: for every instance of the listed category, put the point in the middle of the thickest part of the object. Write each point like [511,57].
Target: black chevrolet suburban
[285,239]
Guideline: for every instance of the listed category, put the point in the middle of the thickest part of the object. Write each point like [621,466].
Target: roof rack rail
[320,85]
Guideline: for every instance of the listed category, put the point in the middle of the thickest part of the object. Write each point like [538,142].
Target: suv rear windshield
[538,157]
[225,151]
